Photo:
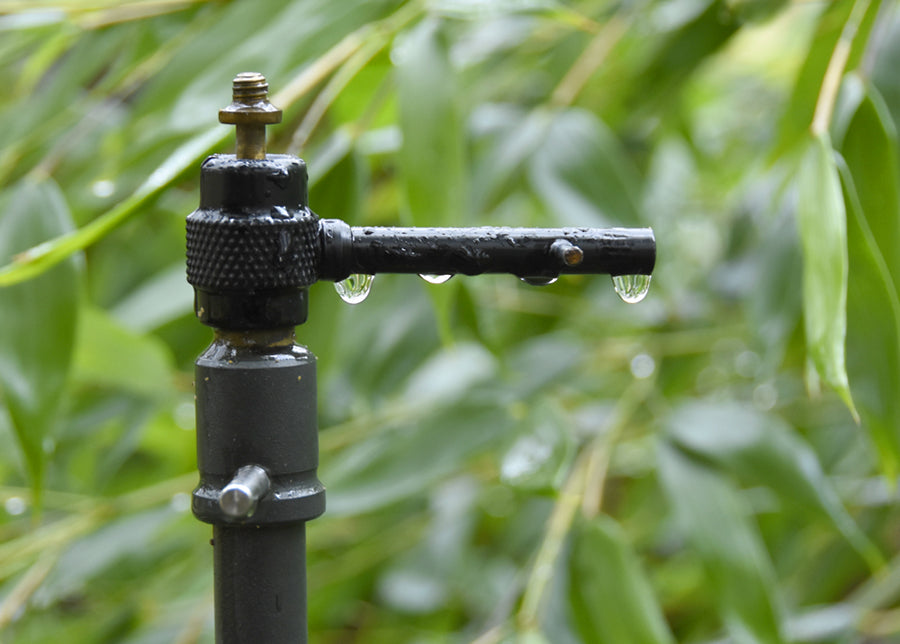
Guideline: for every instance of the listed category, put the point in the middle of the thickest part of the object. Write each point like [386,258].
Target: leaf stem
[831,82]
[588,62]
[589,471]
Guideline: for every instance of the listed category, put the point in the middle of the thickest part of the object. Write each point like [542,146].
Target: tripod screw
[250,111]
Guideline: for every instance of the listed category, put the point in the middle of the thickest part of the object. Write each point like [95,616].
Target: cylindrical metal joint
[257,406]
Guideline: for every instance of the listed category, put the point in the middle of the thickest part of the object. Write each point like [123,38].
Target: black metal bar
[526,252]
[260,584]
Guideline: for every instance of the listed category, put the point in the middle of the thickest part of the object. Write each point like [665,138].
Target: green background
[504,462]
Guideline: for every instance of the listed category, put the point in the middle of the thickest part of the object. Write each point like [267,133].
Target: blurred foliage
[505,463]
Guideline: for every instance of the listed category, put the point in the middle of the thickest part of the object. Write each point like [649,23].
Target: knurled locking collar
[252,245]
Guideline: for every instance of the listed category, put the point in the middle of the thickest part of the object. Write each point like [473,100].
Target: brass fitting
[250,111]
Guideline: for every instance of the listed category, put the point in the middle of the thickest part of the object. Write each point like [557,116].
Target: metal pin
[250,111]
[566,252]
[239,498]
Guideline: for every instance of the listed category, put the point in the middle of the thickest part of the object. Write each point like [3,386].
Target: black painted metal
[260,584]
[256,405]
[525,252]
[252,244]
[253,248]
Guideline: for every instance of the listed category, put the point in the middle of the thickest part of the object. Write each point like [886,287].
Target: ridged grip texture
[253,231]
[272,249]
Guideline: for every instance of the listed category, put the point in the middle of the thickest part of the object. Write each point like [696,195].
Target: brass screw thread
[249,87]
[250,111]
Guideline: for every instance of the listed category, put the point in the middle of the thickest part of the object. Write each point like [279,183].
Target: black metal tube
[257,452]
[526,252]
[260,584]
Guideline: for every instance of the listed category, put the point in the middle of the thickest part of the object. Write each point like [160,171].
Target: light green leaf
[761,449]
[871,180]
[610,596]
[37,320]
[823,233]
[715,520]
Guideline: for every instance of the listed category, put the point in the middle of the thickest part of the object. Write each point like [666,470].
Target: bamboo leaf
[871,182]
[432,156]
[45,255]
[37,321]
[763,450]
[823,234]
[611,598]
[709,512]
[582,174]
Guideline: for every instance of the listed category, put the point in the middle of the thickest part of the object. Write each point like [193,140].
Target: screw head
[250,102]
[567,252]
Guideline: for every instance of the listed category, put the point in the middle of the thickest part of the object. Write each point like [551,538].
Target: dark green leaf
[715,520]
[111,356]
[830,28]
[611,598]
[763,450]
[871,179]
[432,157]
[581,173]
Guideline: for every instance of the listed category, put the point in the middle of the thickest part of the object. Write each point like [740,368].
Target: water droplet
[631,288]
[642,366]
[355,288]
[765,396]
[538,280]
[435,279]
[180,502]
[15,505]
[103,188]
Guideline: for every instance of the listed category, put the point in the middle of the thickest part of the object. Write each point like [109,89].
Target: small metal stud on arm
[253,249]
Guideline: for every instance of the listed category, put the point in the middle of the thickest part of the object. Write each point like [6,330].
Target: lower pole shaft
[260,584]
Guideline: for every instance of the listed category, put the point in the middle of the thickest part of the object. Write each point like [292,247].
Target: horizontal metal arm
[526,252]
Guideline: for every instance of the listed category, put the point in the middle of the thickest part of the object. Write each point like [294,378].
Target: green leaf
[710,513]
[871,180]
[111,356]
[49,252]
[401,463]
[823,233]
[582,174]
[830,29]
[610,596]
[37,320]
[761,449]
[432,156]
[680,53]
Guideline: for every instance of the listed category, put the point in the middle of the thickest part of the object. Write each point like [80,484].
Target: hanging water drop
[355,288]
[435,279]
[631,288]
[537,280]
